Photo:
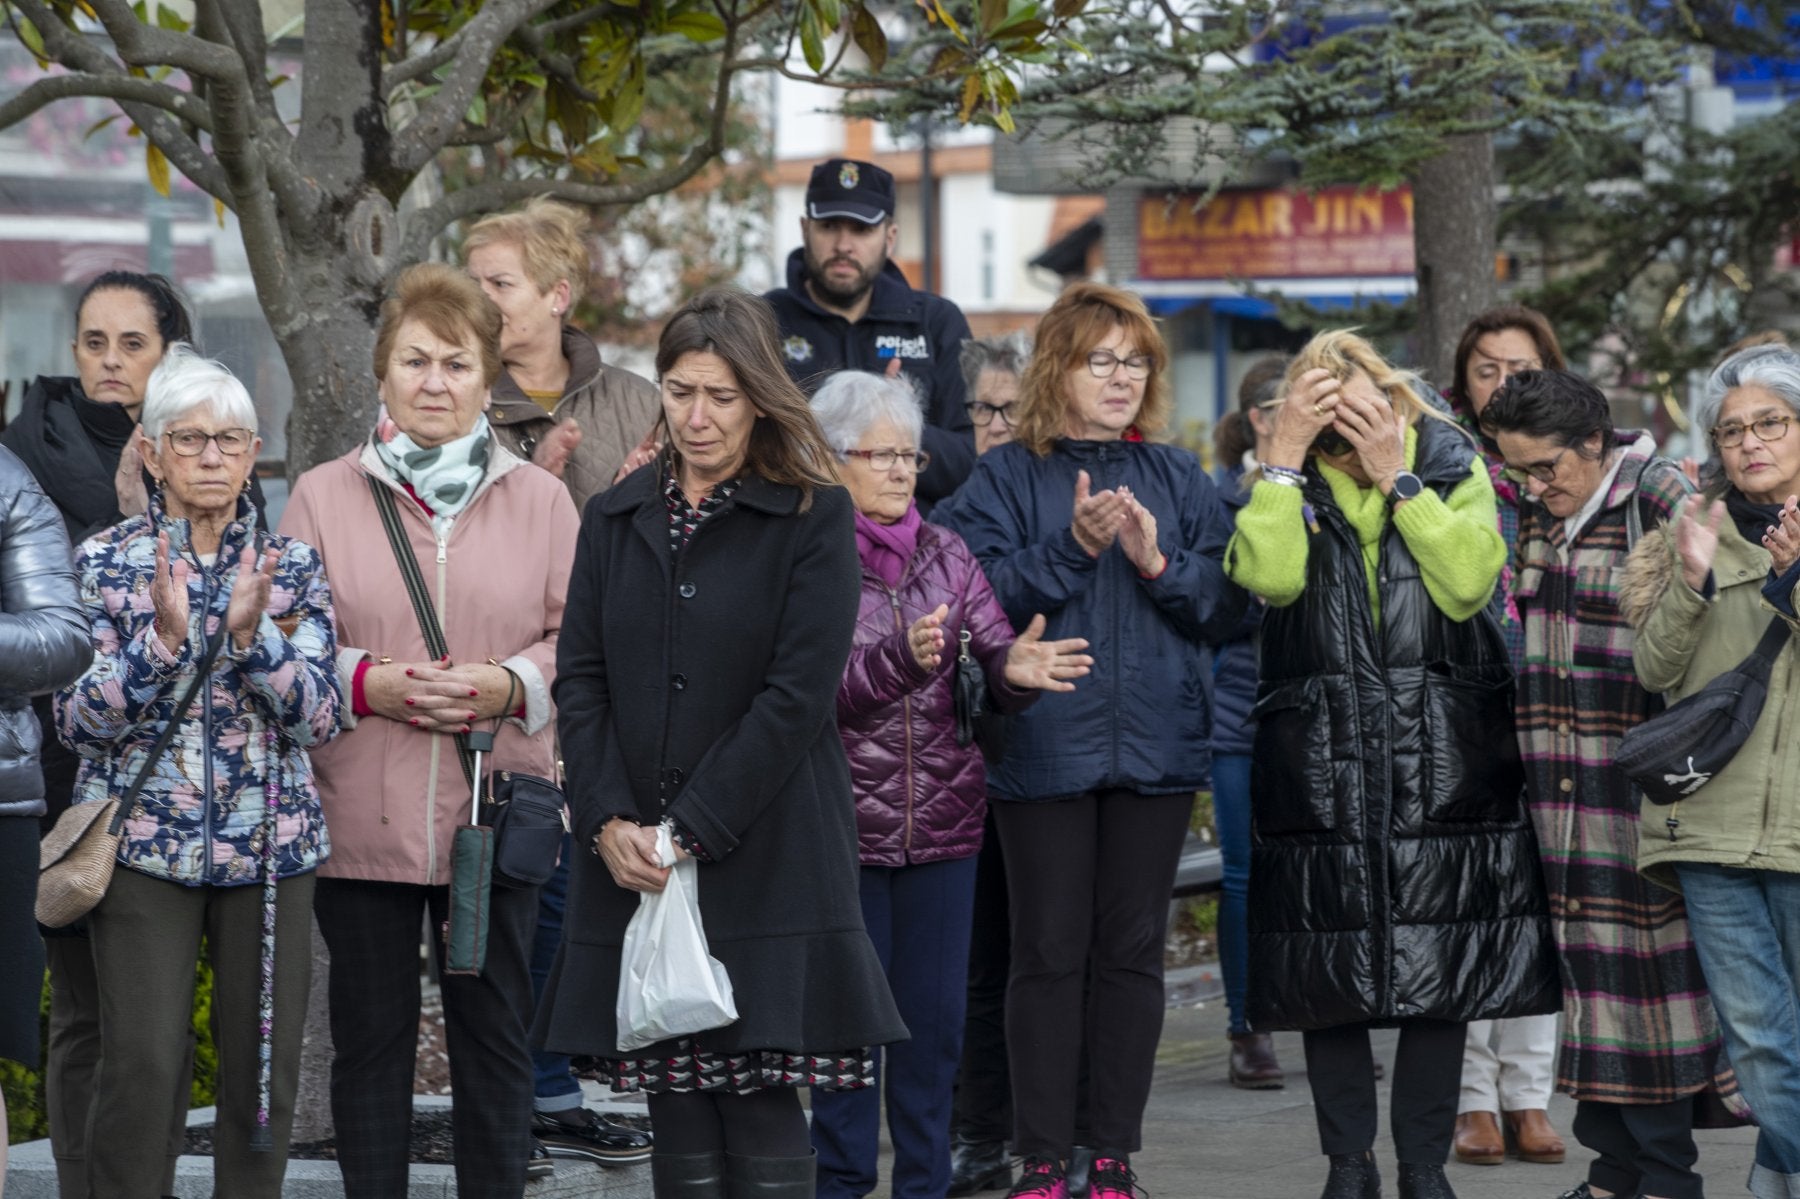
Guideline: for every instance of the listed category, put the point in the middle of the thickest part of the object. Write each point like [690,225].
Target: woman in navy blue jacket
[1118,540]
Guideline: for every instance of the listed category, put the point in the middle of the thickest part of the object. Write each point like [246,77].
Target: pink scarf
[886,549]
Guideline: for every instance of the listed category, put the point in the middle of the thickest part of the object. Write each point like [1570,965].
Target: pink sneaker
[1040,1178]
[1111,1178]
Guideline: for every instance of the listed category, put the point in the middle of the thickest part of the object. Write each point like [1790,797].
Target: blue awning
[1257,308]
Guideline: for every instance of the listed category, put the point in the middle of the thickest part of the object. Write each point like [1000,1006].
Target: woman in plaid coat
[1640,1040]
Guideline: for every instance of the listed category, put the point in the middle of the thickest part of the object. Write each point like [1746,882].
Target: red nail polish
[409,703]
[409,672]
[414,722]
[473,693]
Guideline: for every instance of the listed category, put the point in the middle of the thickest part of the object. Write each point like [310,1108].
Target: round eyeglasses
[1767,428]
[885,459]
[191,443]
[982,414]
[1102,364]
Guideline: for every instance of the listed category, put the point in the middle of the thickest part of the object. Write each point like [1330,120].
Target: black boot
[688,1175]
[769,1177]
[1424,1182]
[978,1166]
[1353,1176]
[1081,1162]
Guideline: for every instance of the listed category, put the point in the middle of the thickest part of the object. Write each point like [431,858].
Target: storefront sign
[1276,234]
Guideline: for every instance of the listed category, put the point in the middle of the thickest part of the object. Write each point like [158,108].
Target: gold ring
[1319,409]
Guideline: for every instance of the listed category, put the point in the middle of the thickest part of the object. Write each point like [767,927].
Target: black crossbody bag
[526,812]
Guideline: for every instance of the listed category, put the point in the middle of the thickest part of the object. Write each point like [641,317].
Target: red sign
[1278,234]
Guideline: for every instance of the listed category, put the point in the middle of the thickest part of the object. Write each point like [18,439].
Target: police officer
[847,307]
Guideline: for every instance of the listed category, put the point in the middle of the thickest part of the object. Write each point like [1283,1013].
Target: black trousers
[1644,1149]
[1088,879]
[983,1084]
[372,930]
[1340,1066]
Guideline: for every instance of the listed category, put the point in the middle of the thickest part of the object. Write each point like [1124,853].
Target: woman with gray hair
[991,369]
[1695,592]
[921,793]
[202,621]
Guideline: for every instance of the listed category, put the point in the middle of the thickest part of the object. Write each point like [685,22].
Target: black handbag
[525,812]
[1680,750]
[975,720]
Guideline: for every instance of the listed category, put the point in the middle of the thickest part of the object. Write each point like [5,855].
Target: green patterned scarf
[446,477]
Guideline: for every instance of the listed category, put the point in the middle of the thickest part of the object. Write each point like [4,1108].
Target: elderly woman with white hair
[1695,593]
[921,792]
[203,622]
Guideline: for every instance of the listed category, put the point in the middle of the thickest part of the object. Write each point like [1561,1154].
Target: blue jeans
[554,1087]
[918,918]
[1746,928]
[1231,820]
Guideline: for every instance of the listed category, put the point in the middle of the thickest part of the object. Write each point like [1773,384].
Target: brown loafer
[1253,1066]
[1533,1138]
[1478,1140]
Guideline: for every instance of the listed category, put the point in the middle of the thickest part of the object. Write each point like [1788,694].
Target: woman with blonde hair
[556,402]
[1394,877]
[1117,539]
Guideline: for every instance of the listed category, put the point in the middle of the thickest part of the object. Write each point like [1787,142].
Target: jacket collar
[643,488]
[510,403]
[892,298]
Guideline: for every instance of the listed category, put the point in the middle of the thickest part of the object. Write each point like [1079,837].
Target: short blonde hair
[551,240]
[1342,353]
[1079,321]
[448,303]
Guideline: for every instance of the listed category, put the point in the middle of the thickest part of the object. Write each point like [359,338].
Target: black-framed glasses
[916,461]
[191,443]
[1331,443]
[1543,472]
[1767,428]
[1102,364]
[982,414]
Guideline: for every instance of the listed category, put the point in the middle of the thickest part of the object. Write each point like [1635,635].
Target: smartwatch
[1407,486]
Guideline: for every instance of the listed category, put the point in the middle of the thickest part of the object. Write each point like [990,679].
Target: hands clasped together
[439,697]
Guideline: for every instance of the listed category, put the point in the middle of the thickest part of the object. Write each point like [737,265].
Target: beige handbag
[75,862]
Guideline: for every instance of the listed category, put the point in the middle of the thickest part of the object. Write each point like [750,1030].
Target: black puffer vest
[1394,873]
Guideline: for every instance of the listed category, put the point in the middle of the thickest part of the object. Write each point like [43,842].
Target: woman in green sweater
[1394,879]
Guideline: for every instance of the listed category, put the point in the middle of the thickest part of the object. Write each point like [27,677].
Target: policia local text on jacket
[923,331]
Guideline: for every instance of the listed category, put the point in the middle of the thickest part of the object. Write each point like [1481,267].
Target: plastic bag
[669,984]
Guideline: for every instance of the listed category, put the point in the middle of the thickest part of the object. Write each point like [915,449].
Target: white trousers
[1508,1065]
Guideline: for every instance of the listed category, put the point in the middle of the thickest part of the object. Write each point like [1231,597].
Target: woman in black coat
[1394,877]
[711,612]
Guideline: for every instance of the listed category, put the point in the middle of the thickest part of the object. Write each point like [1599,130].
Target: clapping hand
[128,479]
[1033,664]
[1098,517]
[925,638]
[553,453]
[1696,542]
[250,595]
[1783,538]
[644,454]
[1137,536]
[169,596]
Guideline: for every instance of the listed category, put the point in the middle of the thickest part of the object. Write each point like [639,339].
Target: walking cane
[471,876]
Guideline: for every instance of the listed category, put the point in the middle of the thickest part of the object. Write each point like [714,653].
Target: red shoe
[1040,1178]
[1111,1178]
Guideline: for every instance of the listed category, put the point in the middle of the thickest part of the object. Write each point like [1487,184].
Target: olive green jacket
[1749,814]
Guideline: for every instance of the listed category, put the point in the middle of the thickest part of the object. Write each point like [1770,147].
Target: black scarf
[1751,518]
[72,446]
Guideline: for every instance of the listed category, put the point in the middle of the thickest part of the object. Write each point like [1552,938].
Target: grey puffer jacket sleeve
[44,642]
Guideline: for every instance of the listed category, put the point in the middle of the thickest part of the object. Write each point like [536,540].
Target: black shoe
[978,1166]
[1081,1161]
[1584,1192]
[770,1177]
[1352,1176]
[1424,1182]
[539,1165]
[592,1137]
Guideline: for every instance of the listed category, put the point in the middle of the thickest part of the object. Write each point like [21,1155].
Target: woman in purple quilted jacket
[920,795]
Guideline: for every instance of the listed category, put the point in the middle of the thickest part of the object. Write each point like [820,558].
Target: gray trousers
[73,1059]
[146,937]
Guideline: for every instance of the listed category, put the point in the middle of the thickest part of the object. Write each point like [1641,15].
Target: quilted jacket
[199,818]
[920,797]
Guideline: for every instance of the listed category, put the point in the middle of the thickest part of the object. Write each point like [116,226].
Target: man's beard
[840,297]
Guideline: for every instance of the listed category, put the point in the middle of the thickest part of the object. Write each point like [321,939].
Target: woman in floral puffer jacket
[222,840]
[920,796]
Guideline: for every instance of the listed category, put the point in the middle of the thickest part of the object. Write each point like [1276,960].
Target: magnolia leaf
[993,15]
[102,123]
[971,95]
[870,38]
[947,61]
[388,31]
[831,12]
[34,41]
[219,212]
[698,26]
[812,42]
[1064,9]
[168,18]
[157,167]
[628,102]
[948,20]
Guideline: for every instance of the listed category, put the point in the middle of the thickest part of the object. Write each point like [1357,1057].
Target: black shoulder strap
[1634,511]
[168,733]
[421,598]
[1762,658]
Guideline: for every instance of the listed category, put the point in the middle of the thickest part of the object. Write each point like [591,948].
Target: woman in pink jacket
[494,537]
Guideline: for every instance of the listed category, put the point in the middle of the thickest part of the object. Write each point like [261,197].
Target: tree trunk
[1455,219]
[330,359]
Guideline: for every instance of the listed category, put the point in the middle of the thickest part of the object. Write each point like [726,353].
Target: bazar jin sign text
[1276,234]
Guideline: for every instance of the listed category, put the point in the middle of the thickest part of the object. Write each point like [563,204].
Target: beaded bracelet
[1283,476]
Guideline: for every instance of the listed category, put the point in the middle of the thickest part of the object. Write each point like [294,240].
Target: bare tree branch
[52,88]
[422,64]
[141,45]
[439,117]
[241,23]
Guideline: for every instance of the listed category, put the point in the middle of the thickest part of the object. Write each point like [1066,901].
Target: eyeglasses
[1102,364]
[1331,443]
[1543,472]
[191,443]
[1767,429]
[982,414]
[885,459]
